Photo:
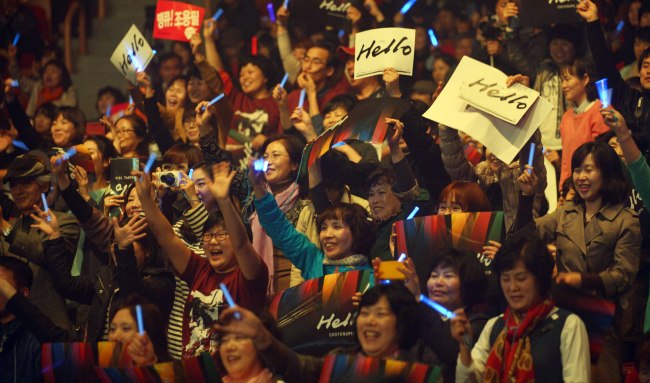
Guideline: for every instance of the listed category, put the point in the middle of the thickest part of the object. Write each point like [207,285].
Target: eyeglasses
[220,237]
[125,131]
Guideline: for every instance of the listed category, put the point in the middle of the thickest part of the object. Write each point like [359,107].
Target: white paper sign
[505,140]
[132,53]
[486,90]
[378,49]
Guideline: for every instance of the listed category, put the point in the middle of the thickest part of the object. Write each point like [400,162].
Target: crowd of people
[229,200]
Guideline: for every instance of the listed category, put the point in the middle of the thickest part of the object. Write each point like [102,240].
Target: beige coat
[608,245]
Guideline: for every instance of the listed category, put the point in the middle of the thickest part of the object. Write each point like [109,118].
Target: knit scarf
[48,95]
[262,243]
[510,358]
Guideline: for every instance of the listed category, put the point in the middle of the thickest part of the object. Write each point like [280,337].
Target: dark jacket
[112,284]
[634,105]
[20,354]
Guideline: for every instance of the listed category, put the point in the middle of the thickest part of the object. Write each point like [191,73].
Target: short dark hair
[66,80]
[473,281]
[332,57]
[614,187]
[644,55]
[22,273]
[580,68]
[643,34]
[183,152]
[381,175]
[292,144]
[113,91]
[357,218]
[47,109]
[169,56]
[345,101]
[532,251]
[214,219]
[78,119]
[403,305]
[265,65]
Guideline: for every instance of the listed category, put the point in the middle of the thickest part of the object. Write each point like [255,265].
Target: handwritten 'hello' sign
[485,89]
[132,54]
[378,49]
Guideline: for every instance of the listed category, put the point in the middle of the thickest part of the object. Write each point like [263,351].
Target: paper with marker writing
[382,48]
[131,54]
[504,139]
[485,89]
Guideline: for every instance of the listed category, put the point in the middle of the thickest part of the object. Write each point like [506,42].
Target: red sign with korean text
[177,21]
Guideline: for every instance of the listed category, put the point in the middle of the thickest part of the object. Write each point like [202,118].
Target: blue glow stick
[341,34]
[433,38]
[212,102]
[190,174]
[604,93]
[437,307]
[150,161]
[402,258]
[217,14]
[269,7]
[407,6]
[16,39]
[46,208]
[20,144]
[68,154]
[138,315]
[231,302]
[284,80]
[153,52]
[260,165]
[531,154]
[303,93]
[15,84]
[619,26]
[108,110]
[130,100]
[286,4]
[413,213]
[340,143]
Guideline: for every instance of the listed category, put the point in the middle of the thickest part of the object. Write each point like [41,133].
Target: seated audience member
[387,328]
[533,340]
[28,177]
[20,351]
[230,259]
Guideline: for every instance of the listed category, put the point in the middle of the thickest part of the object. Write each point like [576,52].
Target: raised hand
[142,185]
[282,15]
[280,95]
[412,282]
[111,202]
[130,232]
[518,78]
[203,116]
[81,176]
[187,186]
[209,26]
[528,182]
[46,222]
[460,327]
[59,164]
[391,78]
[587,10]
[221,180]
[141,350]
[491,249]
[394,140]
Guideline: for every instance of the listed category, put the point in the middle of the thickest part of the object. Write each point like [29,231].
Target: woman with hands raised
[136,267]
[598,239]
[230,259]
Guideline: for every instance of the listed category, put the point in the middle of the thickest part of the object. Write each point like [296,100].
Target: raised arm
[174,248]
[248,260]
[290,63]
[211,52]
